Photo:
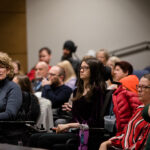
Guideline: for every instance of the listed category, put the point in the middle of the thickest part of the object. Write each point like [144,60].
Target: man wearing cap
[68,49]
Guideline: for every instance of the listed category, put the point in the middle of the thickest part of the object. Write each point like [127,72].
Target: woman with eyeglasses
[10,93]
[87,103]
[136,132]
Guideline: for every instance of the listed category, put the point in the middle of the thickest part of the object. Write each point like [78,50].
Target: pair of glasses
[52,74]
[142,87]
[84,68]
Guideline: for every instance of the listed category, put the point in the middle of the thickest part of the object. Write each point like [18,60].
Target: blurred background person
[70,76]
[69,49]
[102,55]
[17,67]
[30,108]
[41,72]
[45,55]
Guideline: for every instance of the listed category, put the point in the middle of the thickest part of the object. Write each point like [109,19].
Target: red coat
[125,104]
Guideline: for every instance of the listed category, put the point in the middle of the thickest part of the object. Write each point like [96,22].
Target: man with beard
[54,88]
[68,49]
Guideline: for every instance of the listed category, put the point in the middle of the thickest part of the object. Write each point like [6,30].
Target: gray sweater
[10,99]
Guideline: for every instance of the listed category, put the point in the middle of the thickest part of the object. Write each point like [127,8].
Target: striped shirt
[135,133]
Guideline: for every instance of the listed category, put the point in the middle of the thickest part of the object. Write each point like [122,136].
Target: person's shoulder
[66,87]
[11,84]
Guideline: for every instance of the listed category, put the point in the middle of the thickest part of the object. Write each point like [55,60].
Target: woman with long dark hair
[87,103]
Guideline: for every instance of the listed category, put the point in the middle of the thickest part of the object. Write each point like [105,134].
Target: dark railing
[132,49]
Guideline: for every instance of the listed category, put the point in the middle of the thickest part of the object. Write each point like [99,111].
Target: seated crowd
[76,97]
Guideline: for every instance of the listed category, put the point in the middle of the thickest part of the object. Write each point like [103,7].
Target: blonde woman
[10,92]
[70,76]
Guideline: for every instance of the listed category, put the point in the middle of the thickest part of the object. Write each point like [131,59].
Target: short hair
[125,66]
[69,45]
[105,53]
[61,71]
[147,76]
[6,61]
[45,49]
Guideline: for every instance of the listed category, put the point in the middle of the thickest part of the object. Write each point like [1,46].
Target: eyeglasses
[142,87]
[84,68]
[52,74]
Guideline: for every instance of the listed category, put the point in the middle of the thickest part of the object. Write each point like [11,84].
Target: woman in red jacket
[135,134]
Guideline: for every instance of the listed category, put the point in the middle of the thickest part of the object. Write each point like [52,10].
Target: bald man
[41,72]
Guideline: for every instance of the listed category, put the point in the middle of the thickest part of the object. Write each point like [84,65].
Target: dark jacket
[10,99]
[57,95]
[30,108]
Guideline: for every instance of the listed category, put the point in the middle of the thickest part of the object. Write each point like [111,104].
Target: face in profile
[101,56]
[84,71]
[41,70]
[44,56]
[144,90]
[66,53]
[119,74]
[3,72]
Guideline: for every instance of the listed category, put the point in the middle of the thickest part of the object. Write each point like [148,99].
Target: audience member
[122,69]
[136,131]
[87,104]
[146,116]
[125,99]
[10,92]
[129,82]
[30,108]
[102,55]
[17,67]
[44,55]
[69,49]
[111,63]
[41,72]
[54,88]
[70,76]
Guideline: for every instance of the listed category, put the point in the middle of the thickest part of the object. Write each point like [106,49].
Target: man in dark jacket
[68,49]
[54,88]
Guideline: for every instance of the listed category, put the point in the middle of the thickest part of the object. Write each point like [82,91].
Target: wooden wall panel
[13,30]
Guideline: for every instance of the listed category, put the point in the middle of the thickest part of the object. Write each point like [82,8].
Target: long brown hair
[96,81]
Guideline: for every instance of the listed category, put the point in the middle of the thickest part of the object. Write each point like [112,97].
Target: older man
[41,72]
[54,88]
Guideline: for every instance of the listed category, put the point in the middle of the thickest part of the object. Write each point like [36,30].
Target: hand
[45,82]
[105,145]
[62,128]
[66,107]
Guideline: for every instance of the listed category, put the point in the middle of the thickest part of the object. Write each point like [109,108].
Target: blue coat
[10,99]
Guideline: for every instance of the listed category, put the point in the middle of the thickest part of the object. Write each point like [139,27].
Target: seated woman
[135,134]
[30,109]
[87,103]
[10,92]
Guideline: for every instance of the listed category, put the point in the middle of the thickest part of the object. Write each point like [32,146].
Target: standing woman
[87,103]
[10,92]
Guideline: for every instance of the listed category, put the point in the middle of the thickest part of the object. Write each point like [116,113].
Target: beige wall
[92,24]
[13,30]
